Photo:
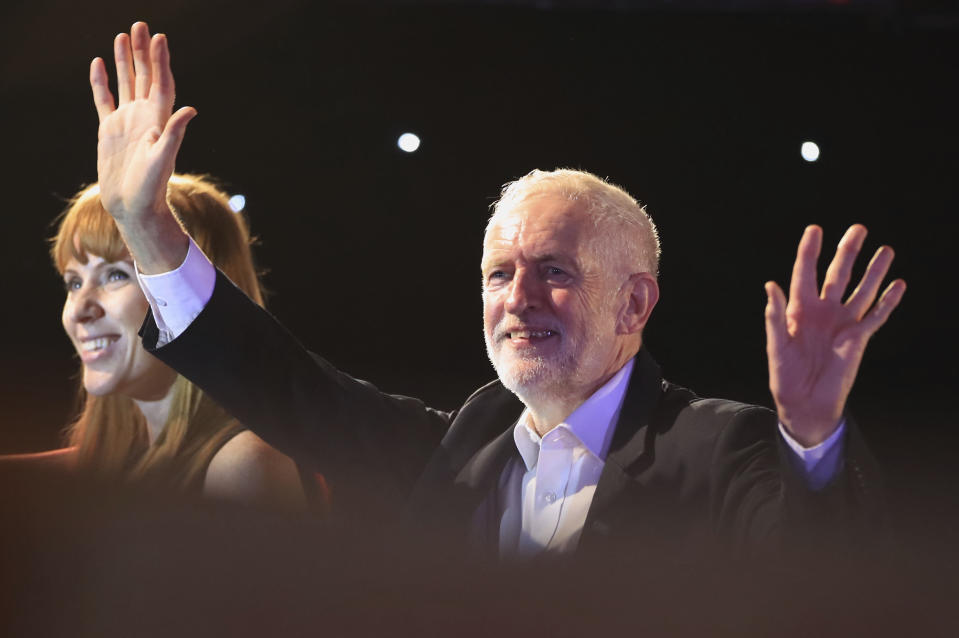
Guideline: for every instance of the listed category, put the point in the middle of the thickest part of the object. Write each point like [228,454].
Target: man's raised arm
[138,141]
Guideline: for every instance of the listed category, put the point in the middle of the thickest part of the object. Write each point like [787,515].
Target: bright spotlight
[237,202]
[809,151]
[408,142]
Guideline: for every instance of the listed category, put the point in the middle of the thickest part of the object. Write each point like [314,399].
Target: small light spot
[408,142]
[237,202]
[809,151]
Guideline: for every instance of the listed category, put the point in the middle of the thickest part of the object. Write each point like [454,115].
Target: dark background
[698,109]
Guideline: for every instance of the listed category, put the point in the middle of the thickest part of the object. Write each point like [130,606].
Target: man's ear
[643,293]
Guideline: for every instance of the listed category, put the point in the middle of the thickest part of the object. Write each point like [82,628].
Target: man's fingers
[140,40]
[840,269]
[102,98]
[123,58]
[887,303]
[776,332]
[865,293]
[163,88]
[803,286]
[169,143]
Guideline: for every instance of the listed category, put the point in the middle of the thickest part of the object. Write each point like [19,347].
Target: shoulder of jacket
[493,389]
[721,409]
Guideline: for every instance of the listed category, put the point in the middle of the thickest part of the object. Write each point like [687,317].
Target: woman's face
[102,313]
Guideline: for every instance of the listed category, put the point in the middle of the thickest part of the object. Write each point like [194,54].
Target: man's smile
[530,334]
[522,337]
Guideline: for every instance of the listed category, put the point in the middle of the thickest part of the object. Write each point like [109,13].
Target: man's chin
[529,383]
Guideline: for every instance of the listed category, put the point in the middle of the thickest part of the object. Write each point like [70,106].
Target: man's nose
[524,292]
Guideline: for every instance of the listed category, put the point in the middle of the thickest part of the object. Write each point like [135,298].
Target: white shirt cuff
[821,463]
[177,297]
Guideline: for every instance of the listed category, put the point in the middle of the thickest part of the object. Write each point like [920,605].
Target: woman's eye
[73,283]
[116,274]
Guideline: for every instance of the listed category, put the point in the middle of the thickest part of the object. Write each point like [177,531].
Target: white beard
[538,379]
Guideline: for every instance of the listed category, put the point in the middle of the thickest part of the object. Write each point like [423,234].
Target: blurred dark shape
[81,559]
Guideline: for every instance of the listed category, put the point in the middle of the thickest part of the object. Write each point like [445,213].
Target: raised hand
[815,342]
[138,142]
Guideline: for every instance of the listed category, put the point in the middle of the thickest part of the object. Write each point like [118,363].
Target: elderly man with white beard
[580,441]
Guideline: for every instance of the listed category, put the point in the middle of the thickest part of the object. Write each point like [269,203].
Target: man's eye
[553,271]
[497,274]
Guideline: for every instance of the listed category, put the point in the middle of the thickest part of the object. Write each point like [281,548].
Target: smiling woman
[102,313]
[140,420]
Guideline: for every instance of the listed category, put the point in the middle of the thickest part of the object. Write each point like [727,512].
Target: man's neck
[550,413]
[546,410]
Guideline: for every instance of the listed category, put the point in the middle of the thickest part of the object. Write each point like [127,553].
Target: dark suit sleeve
[244,359]
[761,500]
[850,511]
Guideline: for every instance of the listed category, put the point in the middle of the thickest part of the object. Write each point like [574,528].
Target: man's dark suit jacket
[681,471]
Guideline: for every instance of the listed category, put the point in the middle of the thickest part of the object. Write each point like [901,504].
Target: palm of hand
[813,372]
[132,172]
[138,136]
[815,343]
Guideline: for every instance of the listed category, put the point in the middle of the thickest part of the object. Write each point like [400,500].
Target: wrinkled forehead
[539,218]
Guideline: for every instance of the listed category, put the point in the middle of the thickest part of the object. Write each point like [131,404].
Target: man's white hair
[623,224]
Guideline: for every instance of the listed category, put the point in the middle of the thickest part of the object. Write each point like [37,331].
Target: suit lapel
[459,484]
[632,450]
[461,480]
[486,466]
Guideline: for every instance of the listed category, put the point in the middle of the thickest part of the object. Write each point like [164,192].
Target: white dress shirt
[547,493]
